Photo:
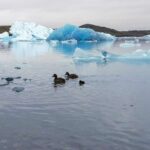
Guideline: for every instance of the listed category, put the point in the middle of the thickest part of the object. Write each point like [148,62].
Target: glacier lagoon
[109,112]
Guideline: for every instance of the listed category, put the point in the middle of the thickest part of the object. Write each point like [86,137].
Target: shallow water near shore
[109,112]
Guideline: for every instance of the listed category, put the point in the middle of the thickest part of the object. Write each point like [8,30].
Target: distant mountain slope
[4,28]
[136,33]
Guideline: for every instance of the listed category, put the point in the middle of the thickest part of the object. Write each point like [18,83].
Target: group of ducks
[59,80]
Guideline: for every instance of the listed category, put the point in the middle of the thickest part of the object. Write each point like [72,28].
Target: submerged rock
[18,77]
[18,68]
[18,89]
[25,79]
[8,79]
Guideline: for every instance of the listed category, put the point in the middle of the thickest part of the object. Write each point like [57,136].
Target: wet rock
[18,89]
[25,79]
[24,63]
[8,79]
[17,77]
[18,68]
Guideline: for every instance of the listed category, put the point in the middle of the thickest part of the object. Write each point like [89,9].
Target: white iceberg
[28,31]
[23,37]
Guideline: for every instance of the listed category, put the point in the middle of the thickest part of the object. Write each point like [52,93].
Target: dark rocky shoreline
[132,33]
[4,28]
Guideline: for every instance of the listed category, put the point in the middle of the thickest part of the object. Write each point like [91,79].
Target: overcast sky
[118,14]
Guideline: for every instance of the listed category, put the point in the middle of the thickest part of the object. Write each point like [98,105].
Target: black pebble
[18,68]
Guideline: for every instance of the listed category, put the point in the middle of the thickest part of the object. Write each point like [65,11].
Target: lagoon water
[110,112]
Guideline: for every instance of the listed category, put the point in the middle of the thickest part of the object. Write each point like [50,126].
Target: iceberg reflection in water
[84,52]
[33,49]
[29,49]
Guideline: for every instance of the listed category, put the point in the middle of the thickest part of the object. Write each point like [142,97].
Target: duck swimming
[81,82]
[71,76]
[58,80]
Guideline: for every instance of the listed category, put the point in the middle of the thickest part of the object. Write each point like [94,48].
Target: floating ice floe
[130,44]
[84,56]
[127,45]
[29,31]
[138,54]
[81,55]
[72,32]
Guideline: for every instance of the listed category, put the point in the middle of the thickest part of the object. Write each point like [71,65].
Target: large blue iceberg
[72,32]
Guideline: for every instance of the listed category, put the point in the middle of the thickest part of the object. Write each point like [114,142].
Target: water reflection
[109,112]
[34,49]
[29,49]
[91,51]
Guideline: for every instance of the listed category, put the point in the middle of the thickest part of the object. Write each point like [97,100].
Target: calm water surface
[110,112]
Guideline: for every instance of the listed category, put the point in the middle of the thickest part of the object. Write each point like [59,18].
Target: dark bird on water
[81,82]
[71,76]
[58,80]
